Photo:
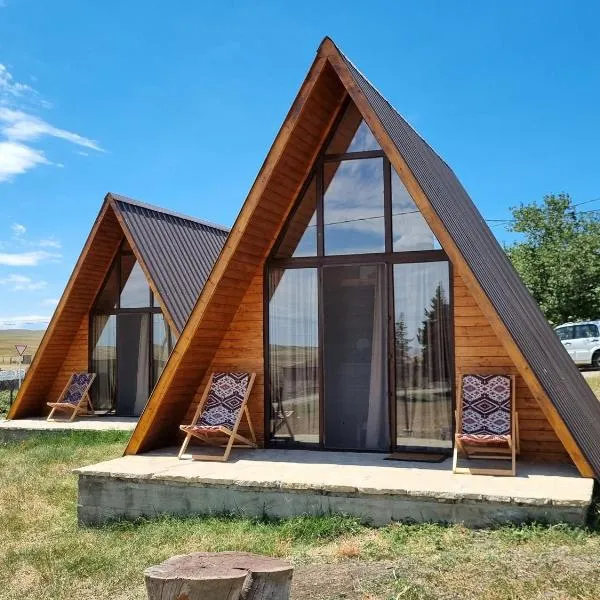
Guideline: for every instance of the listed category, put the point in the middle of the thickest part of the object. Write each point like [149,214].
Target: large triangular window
[354,202]
[352,134]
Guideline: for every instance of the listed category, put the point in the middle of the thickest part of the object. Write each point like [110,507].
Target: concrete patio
[19,429]
[285,483]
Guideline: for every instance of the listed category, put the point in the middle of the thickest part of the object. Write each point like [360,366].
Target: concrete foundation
[281,484]
[20,429]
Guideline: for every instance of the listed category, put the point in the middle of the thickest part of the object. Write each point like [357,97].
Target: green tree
[559,257]
[433,337]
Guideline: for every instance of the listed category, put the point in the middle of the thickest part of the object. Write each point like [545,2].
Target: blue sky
[176,103]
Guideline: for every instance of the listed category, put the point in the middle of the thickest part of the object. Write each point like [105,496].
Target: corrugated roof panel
[555,370]
[178,251]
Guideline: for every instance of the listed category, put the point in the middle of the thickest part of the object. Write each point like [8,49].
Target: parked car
[582,342]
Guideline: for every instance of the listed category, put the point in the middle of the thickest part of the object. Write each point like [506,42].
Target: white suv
[582,342]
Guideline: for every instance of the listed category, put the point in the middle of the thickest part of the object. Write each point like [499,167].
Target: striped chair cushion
[480,439]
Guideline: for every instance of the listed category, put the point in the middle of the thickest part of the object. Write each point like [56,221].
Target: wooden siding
[478,346]
[241,349]
[64,346]
[76,359]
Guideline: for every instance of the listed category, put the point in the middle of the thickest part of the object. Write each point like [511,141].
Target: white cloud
[19,128]
[26,259]
[50,301]
[18,283]
[16,159]
[18,229]
[8,86]
[24,321]
[49,243]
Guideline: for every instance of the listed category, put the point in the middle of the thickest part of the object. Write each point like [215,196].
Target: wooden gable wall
[225,331]
[64,347]
[476,346]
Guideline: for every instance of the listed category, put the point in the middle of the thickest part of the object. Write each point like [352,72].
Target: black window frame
[320,260]
[150,310]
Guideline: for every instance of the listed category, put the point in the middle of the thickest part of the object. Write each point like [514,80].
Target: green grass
[44,555]
[594,382]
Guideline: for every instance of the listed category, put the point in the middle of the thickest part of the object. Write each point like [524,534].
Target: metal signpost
[21,350]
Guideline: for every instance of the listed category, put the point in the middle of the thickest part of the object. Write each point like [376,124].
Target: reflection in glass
[300,238]
[423,354]
[162,345]
[104,361]
[409,229]
[353,207]
[107,299]
[133,363]
[293,352]
[354,358]
[352,134]
[135,292]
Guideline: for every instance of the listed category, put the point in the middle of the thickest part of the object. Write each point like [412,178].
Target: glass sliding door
[423,381]
[133,363]
[104,361]
[293,354]
[355,358]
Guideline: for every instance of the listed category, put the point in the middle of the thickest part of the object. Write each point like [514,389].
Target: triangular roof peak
[176,253]
[564,397]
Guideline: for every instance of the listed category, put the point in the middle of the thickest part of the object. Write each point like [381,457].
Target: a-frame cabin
[358,278]
[127,301]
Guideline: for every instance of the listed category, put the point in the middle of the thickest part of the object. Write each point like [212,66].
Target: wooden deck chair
[220,413]
[74,397]
[487,425]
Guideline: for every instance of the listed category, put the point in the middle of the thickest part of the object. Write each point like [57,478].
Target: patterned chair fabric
[77,388]
[224,401]
[486,409]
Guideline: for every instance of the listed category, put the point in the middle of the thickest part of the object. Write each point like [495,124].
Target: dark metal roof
[178,251]
[553,367]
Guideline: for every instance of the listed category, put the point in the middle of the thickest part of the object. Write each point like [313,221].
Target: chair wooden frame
[232,433]
[490,453]
[81,407]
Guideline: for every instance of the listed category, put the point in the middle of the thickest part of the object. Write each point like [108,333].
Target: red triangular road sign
[21,348]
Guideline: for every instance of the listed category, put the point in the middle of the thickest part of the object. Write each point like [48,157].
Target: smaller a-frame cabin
[127,301]
[358,279]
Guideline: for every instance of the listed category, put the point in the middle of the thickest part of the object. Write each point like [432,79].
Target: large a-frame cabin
[134,286]
[358,278]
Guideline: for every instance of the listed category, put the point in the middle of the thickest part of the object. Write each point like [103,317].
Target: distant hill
[10,337]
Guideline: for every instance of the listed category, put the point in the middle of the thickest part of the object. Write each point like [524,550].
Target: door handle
[567,343]
[594,340]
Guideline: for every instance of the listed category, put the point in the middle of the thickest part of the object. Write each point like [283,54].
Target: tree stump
[219,576]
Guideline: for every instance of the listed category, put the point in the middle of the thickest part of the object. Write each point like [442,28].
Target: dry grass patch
[44,555]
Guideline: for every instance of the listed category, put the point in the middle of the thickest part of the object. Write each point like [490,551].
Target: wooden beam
[457,259]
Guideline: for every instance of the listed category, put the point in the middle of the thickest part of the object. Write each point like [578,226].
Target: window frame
[320,260]
[576,329]
[563,328]
[152,309]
